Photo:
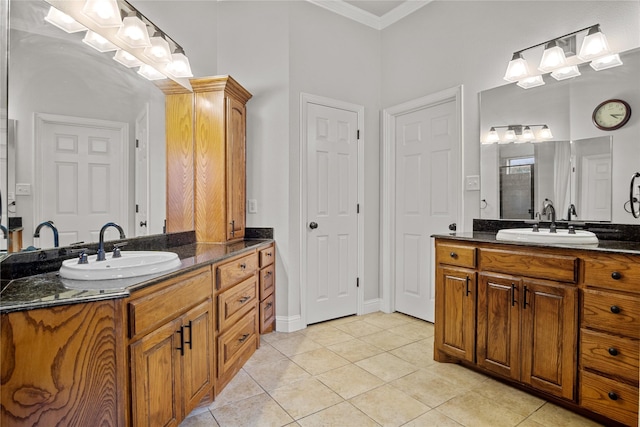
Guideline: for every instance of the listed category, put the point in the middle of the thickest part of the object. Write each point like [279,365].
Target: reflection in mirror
[575,176]
[4,17]
[90,142]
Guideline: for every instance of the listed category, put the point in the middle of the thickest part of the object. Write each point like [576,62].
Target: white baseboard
[289,323]
[371,306]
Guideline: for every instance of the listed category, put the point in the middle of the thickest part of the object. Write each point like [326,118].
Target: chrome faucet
[571,211]
[101,254]
[548,209]
[56,241]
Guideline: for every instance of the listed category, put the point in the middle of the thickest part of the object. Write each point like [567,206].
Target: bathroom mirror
[4,16]
[579,165]
[90,141]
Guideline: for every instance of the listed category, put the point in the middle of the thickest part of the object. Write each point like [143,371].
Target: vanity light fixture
[517,134]
[126,59]
[133,32]
[179,65]
[150,73]
[159,51]
[105,13]
[98,42]
[63,21]
[560,60]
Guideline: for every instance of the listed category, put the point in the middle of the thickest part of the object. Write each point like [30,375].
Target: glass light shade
[159,50]
[545,133]
[105,13]
[527,134]
[530,82]
[605,62]
[98,42]
[594,45]
[179,66]
[127,59]
[566,72]
[134,33]
[492,136]
[150,73]
[63,21]
[517,68]
[552,58]
[509,136]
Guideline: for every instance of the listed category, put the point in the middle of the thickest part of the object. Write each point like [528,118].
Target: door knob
[453,226]
[143,223]
[313,225]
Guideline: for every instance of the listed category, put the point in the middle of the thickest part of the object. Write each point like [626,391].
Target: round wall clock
[611,114]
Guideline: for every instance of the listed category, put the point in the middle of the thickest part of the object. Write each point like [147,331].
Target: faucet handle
[116,249]
[82,257]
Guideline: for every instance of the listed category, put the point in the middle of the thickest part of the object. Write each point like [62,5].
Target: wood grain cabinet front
[267,289]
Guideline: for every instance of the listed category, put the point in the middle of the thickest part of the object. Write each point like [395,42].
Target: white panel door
[142,174]
[596,188]
[332,227]
[426,142]
[82,178]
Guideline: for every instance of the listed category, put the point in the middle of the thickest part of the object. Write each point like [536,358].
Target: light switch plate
[472,183]
[23,189]
[252,207]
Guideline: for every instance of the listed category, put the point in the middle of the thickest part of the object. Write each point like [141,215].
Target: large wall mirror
[583,170]
[89,136]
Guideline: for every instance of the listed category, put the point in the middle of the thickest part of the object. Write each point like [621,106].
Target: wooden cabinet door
[156,398]
[197,373]
[456,312]
[236,177]
[549,337]
[499,299]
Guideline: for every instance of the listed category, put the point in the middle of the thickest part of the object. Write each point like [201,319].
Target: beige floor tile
[386,340]
[341,415]
[355,350]
[387,321]
[472,409]
[460,376]
[427,387]
[276,374]
[359,328]
[419,353]
[256,411]
[277,336]
[386,366]
[350,381]
[295,345]
[414,330]
[432,418]
[327,335]
[553,415]
[239,388]
[202,419]
[509,397]
[529,423]
[389,406]
[305,397]
[293,424]
[265,354]
[318,361]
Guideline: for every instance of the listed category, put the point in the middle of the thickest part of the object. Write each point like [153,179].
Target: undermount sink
[561,236]
[129,264]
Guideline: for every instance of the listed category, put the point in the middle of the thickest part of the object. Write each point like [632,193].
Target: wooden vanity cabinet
[267,280]
[171,348]
[237,327]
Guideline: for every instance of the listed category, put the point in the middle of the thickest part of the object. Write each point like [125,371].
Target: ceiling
[377,14]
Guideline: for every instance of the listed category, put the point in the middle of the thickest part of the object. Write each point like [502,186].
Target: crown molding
[369,19]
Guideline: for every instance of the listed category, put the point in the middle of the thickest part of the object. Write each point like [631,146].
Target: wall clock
[611,114]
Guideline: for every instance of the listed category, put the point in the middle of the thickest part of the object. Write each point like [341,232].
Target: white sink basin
[130,264]
[562,236]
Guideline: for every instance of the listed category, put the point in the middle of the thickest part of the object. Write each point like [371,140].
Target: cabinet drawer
[157,308]
[562,268]
[232,272]
[267,281]
[612,312]
[459,255]
[267,313]
[236,302]
[610,398]
[267,256]
[619,272]
[609,354]
[238,343]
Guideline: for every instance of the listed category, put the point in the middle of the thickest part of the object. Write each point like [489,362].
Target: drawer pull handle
[269,305]
[613,395]
[190,342]
[513,295]
[615,309]
[269,254]
[524,307]
[244,299]
[243,266]
[181,348]
[613,351]
[243,338]
[453,255]
[468,291]
[616,275]
[266,276]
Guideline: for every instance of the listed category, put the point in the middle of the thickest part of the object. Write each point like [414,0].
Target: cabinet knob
[243,266]
[613,351]
[453,255]
[612,395]
[615,309]
[616,275]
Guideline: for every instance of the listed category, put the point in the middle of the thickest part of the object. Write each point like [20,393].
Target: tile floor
[372,370]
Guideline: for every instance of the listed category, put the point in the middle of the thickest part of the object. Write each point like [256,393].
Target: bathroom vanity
[561,322]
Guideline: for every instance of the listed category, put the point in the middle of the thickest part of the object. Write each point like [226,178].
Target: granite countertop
[616,246]
[49,289]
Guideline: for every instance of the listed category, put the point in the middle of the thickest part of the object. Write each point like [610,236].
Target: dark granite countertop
[617,246]
[49,289]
